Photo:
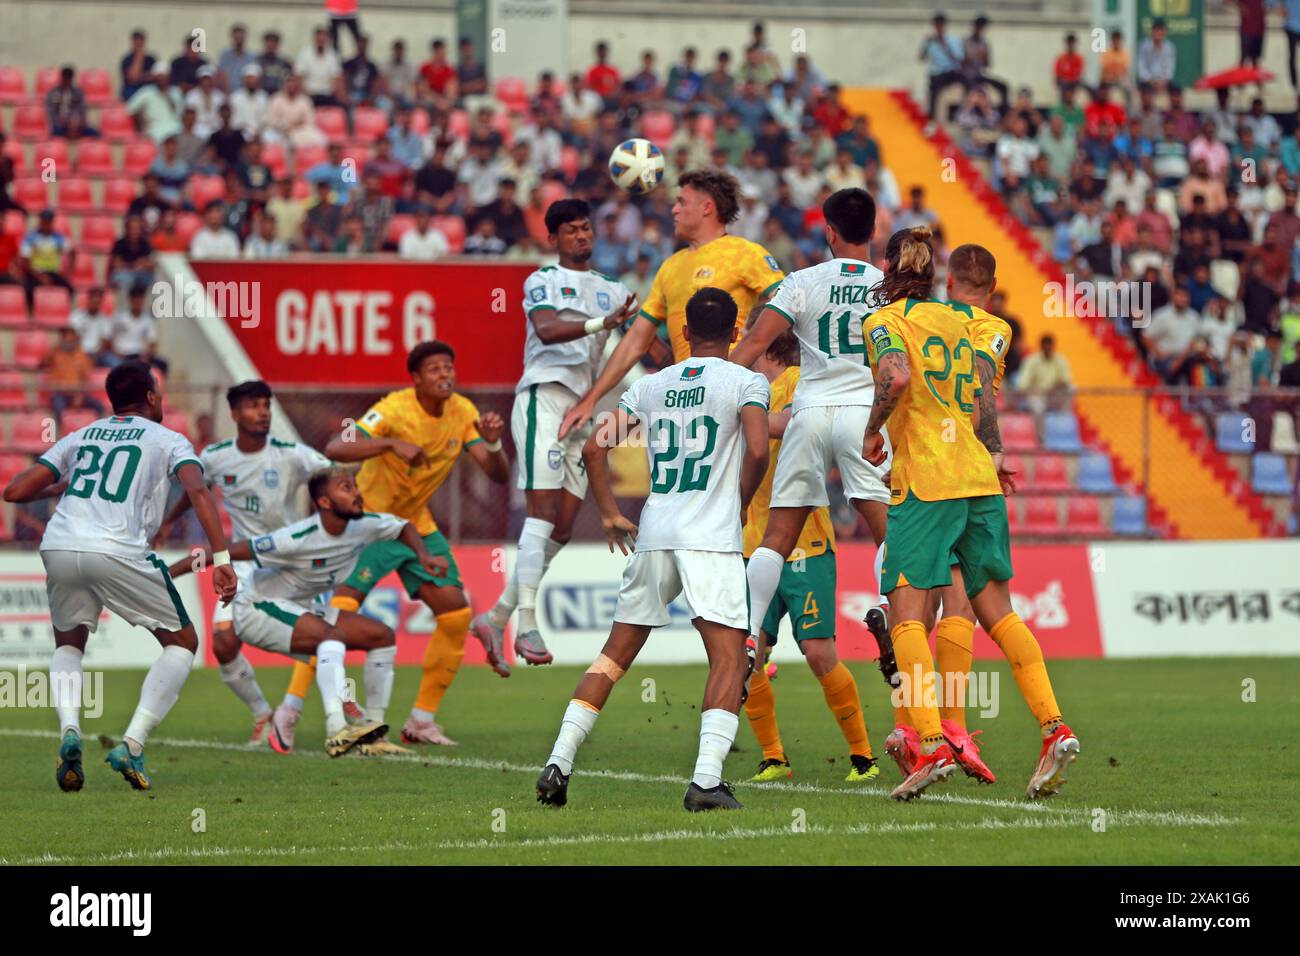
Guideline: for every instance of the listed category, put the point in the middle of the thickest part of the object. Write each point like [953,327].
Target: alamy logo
[133,910]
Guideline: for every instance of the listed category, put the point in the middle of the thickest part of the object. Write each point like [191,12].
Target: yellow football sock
[442,658]
[841,692]
[954,641]
[912,649]
[1027,667]
[760,708]
[304,675]
[345,603]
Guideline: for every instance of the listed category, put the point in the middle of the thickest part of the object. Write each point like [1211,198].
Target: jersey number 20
[94,468]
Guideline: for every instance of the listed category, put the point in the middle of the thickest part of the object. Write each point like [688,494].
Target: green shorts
[806,593]
[384,556]
[926,538]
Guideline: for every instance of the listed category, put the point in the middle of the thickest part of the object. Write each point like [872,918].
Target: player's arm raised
[753,424]
[595,454]
[627,353]
[488,453]
[552,329]
[190,476]
[893,375]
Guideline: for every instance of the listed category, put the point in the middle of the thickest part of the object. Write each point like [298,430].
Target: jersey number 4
[96,470]
[665,437]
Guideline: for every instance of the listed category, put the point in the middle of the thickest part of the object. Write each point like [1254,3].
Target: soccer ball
[636,165]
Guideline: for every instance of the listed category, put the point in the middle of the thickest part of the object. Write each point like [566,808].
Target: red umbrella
[1236,76]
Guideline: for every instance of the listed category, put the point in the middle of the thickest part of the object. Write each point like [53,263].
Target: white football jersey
[826,304]
[118,470]
[303,560]
[260,490]
[691,412]
[576,297]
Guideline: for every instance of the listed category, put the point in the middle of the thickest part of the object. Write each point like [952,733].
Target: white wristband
[219,558]
[493,446]
[592,326]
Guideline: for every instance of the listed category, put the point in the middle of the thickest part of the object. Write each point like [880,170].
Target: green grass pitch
[1176,768]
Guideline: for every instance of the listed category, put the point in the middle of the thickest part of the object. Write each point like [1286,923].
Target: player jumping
[408,443]
[697,415]
[570,309]
[261,479]
[947,503]
[113,477]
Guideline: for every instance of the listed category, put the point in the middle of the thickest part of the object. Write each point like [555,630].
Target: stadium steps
[1189,478]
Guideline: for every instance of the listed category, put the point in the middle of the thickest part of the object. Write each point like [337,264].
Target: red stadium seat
[501,123]
[94,158]
[453,227]
[30,123]
[73,419]
[332,121]
[513,94]
[17,153]
[13,86]
[1014,525]
[13,390]
[369,123]
[187,224]
[305,157]
[11,466]
[13,306]
[119,193]
[1018,432]
[15,224]
[177,421]
[30,430]
[205,190]
[359,153]
[137,156]
[30,346]
[116,125]
[51,305]
[63,224]
[98,233]
[87,271]
[301,189]
[1042,516]
[1083,517]
[98,86]
[276,159]
[1016,464]
[54,150]
[75,195]
[47,78]
[1051,474]
[31,193]
[397,226]
[658,127]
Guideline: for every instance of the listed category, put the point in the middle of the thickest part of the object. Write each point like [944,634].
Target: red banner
[313,321]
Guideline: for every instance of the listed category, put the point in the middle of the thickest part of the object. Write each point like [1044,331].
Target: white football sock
[529,565]
[65,675]
[500,613]
[162,686]
[293,702]
[577,724]
[878,568]
[330,676]
[424,716]
[717,734]
[239,677]
[379,680]
[763,575]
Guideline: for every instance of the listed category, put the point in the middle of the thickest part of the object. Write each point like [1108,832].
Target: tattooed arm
[986,423]
[892,378]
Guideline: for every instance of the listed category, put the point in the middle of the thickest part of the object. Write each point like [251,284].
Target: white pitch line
[592,839]
[1157,818]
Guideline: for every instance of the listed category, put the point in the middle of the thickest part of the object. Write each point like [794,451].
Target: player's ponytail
[909,267]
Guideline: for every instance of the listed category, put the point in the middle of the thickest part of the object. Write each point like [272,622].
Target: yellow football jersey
[990,335]
[936,454]
[740,267]
[390,485]
[818,535]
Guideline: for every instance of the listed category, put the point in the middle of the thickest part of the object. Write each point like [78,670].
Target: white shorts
[268,622]
[545,461]
[712,584]
[817,438]
[80,584]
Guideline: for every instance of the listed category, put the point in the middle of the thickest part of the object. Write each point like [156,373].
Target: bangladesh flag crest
[318,562]
[853,269]
[569,292]
[692,372]
[227,479]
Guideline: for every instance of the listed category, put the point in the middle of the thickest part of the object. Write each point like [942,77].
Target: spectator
[862,146]
[1290,153]
[435,182]
[1044,378]
[1157,59]
[1102,111]
[65,107]
[1115,64]
[254,175]
[1105,257]
[137,67]
[407,145]
[546,146]
[1251,31]
[1169,157]
[1147,114]
[206,101]
[978,122]
[132,260]
[1211,150]
[171,172]
[150,204]
[361,75]
[1015,151]
[67,370]
[286,212]
[1233,229]
[786,108]
[214,240]
[977,60]
[508,217]
[645,84]
[640,277]
[343,15]
[436,85]
[484,240]
[1258,296]
[1146,253]
[471,74]
[1185,124]
[479,175]
[41,256]
[944,57]
[804,180]
[1127,183]
[235,59]
[1223,117]
[399,76]
[916,213]
[807,80]
[842,174]
[773,142]
[684,81]
[135,333]
[391,174]
[1067,68]
[749,222]
[1267,133]
[227,143]
[1202,183]
[353,240]
[92,324]
[733,139]
[373,208]
[323,220]
[580,105]
[291,117]
[276,70]
[10,262]
[185,67]
[830,115]
[248,103]
[266,243]
[423,243]
[191,148]
[1171,339]
[719,86]
[157,107]
[166,236]
[319,66]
